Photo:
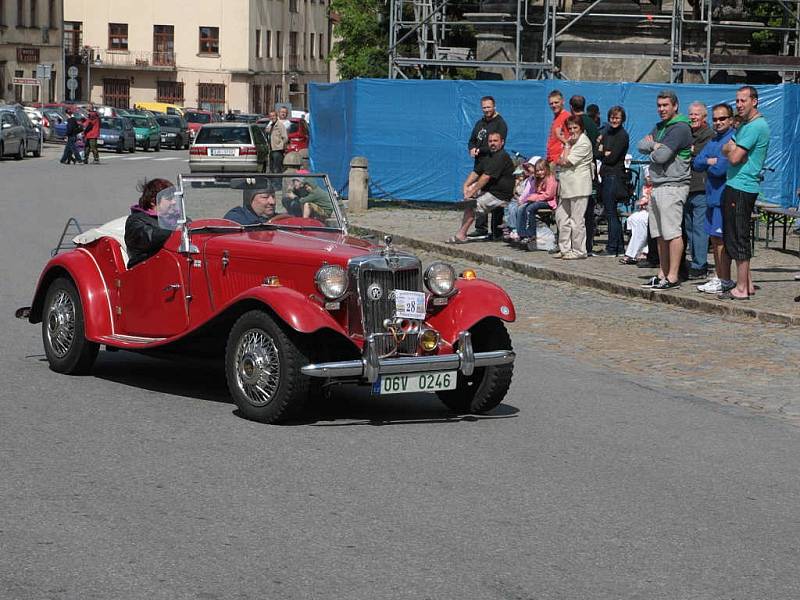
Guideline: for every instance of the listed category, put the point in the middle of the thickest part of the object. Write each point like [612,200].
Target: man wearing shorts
[490,185]
[746,154]
[669,148]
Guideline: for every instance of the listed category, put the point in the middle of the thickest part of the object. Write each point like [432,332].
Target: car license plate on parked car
[223,151]
[415,382]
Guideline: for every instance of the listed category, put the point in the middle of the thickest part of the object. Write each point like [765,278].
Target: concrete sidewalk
[427,229]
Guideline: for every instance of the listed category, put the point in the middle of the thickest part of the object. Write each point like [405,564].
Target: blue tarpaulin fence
[414,132]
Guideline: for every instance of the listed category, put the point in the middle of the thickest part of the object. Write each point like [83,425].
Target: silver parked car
[12,135]
[229,147]
[34,139]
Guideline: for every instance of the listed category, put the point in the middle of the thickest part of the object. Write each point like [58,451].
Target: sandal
[627,260]
[456,240]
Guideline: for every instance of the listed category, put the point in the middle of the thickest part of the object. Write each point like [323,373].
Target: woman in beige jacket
[575,186]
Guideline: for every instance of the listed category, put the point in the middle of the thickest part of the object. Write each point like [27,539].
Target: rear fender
[476,300]
[292,307]
[80,266]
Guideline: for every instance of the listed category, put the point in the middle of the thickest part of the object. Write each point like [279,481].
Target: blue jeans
[694,221]
[526,219]
[70,152]
[511,214]
[608,192]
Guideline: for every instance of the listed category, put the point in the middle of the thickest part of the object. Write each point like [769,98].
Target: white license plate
[416,382]
[223,151]
[100,142]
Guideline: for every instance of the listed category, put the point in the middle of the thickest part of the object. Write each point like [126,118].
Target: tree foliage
[361,38]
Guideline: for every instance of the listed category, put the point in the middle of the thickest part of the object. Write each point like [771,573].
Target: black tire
[145,145]
[487,386]
[120,146]
[132,149]
[254,338]
[63,332]
[21,152]
[38,152]
[157,147]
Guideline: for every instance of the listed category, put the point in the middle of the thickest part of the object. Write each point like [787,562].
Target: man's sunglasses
[718,120]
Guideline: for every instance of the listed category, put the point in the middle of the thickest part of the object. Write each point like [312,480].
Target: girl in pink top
[541,194]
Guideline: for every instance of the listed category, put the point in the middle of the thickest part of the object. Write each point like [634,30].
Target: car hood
[302,247]
[110,131]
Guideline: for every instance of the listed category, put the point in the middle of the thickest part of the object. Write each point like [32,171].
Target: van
[160,107]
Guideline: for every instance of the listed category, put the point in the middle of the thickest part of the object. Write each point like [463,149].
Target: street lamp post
[86,56]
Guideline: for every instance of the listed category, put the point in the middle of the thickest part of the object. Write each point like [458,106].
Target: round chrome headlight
[440,279]
[331,281]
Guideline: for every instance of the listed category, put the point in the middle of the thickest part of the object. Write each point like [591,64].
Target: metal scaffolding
[535,37]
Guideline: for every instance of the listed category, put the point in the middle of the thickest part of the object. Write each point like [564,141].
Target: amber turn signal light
[469,274]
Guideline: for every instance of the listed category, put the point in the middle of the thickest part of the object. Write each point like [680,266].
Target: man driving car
[258,207]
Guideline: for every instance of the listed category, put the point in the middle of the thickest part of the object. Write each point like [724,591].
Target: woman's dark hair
[575,120]
[617,109]
[149,189]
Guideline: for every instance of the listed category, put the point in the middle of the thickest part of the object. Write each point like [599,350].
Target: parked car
[117,133]
[174,131]
[229,147]
[289,306]
[160,107]
[61,127]
[148,132]
[243,117]
[12,135]
[34,139]
[196,118]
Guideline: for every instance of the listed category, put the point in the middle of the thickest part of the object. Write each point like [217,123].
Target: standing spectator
[90,134]
[668,147]
[714,164]
[558,128]
[746,152]
[577,105]
[694,211]
[594,114]
[478,147]
[278,139]
[612,147]
[70,154]
[575,187]
[542,194]
[490,185]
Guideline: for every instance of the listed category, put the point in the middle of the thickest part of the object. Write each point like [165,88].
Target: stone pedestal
[358,187]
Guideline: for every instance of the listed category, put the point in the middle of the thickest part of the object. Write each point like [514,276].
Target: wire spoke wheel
[258,368]
[60,324]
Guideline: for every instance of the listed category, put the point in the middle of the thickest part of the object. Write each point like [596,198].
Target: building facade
[240,55]
[30,35]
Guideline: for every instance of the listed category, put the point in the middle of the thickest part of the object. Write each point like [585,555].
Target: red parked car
[297,132]
[196,118]
[289,303]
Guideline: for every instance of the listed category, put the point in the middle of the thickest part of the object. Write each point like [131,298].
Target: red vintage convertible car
[291,305]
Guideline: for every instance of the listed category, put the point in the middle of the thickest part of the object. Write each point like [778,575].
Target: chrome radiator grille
[375,312]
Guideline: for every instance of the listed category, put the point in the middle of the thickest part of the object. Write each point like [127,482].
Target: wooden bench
[777,215]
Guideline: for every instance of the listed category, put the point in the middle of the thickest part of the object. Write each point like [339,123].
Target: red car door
[153,297]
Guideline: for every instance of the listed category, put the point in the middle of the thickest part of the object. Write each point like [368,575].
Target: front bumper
[370,367]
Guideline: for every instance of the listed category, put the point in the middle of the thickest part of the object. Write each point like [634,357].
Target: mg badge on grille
[374,292]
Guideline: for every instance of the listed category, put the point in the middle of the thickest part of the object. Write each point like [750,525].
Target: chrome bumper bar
[371,366]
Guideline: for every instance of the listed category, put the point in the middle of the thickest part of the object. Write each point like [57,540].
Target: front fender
[476,300]
[85,273]
[292,307]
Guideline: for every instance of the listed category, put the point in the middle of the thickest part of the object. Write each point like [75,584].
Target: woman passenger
[144,237]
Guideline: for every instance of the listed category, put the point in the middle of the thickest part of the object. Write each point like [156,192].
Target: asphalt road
[589,482]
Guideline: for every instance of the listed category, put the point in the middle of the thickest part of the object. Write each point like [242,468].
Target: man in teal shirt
[746,153]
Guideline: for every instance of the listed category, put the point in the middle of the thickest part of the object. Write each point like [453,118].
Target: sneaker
[713,286]
[698,274]
[727,284]
[652,282]
[556,254]
[554,251]
[478,233]
[666,284]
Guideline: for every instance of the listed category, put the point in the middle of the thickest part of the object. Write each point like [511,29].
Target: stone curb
[700,303]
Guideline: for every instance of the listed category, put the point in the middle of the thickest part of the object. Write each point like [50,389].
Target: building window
[258,43]
[73,38]
[267,97]
[209,40]
[170,92]
[163,45]
[278,94]
[34,11]
[293,6]
[268,44]
[211,96]
[278,45]
[51,14]
[2,19]
[117,92]
[293,44]
[255,99]
[321,52]
[117,36]
[311,41]
[20,13]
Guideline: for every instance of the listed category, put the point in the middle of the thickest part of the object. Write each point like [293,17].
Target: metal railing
[141,59]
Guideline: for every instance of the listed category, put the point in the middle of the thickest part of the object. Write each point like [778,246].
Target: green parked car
[148,132]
